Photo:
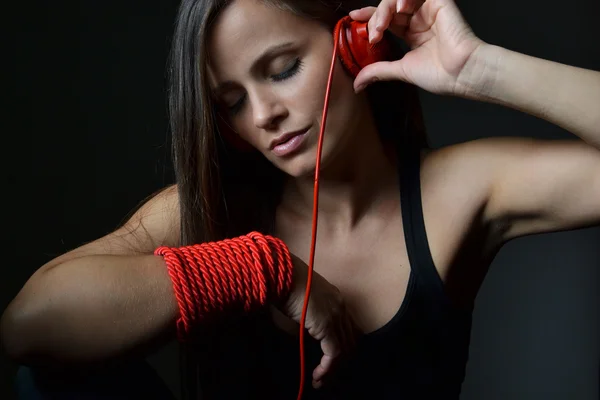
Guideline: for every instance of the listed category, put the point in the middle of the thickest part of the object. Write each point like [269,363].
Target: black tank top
[421,353]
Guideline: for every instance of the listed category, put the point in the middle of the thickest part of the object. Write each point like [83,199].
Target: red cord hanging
[351,40]
[315,214]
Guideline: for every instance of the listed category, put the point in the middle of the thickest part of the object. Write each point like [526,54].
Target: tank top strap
[417,245]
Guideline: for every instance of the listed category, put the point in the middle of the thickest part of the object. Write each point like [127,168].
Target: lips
[288,142]
[285,137]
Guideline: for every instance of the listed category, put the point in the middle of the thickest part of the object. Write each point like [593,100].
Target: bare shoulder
[485,155]
[462,174]
[457,182]
[154,223]
[513,186]
[468,172]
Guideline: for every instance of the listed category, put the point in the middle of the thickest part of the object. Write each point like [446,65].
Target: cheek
[343,84]
[343,105]
[244,126]
[314,85]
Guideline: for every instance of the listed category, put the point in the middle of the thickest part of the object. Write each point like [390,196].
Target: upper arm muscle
[154,224]
[544,186]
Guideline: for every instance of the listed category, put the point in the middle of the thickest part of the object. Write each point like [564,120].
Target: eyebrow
[271,52]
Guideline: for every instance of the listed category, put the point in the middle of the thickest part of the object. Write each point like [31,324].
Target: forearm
[91,309]
[564,95]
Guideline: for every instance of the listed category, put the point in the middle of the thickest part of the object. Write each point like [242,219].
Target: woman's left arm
[564,95]
[538,186]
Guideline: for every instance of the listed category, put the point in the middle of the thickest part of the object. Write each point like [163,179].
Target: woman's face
[268,69]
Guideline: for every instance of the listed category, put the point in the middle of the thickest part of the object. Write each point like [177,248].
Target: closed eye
[295,67]
[288,73]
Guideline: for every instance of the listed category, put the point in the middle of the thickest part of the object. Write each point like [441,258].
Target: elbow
[26,325]
[15,335]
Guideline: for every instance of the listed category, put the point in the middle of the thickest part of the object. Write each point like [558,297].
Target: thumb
[379,71]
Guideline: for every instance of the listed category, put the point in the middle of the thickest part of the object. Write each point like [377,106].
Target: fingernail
[399,5]
[359,88]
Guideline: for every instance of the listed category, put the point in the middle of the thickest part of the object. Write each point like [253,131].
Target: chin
[304,164]
[298,168]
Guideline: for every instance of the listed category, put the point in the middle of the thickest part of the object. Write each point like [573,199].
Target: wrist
[288,299]
[479,76]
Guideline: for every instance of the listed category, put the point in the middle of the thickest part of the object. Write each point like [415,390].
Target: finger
[322,370]
[362,14]
[403,19]
[345,332]
[388,17]
[331,350]
[425,16]
[408,6]
[380,21]
[399,24]
[380,71]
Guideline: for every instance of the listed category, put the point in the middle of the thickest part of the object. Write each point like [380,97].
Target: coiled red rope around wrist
[238,274]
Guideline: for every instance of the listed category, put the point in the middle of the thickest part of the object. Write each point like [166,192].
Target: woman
[405,233]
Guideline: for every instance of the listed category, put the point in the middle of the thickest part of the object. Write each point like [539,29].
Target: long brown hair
[219,195]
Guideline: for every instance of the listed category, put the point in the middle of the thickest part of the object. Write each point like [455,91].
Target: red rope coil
[239,274]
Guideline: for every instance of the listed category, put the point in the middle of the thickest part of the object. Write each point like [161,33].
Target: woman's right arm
[113,298]
[104,300]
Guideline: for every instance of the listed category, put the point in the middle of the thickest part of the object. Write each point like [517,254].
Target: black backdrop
[85,138]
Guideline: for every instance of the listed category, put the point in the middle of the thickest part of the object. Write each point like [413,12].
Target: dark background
[85,138]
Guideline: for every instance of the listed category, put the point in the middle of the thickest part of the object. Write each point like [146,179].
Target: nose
[268,110]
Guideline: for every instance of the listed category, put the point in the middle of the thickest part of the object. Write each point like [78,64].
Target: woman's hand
[327,318]
[442,44]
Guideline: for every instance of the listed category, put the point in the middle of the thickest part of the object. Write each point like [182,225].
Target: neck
[353,183]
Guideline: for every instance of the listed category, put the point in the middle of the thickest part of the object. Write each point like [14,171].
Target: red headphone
[354,52]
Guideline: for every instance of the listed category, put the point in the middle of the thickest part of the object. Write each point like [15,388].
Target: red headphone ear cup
[355,51]
[344,52]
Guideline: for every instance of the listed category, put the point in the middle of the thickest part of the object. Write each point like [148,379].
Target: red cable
[315,210]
